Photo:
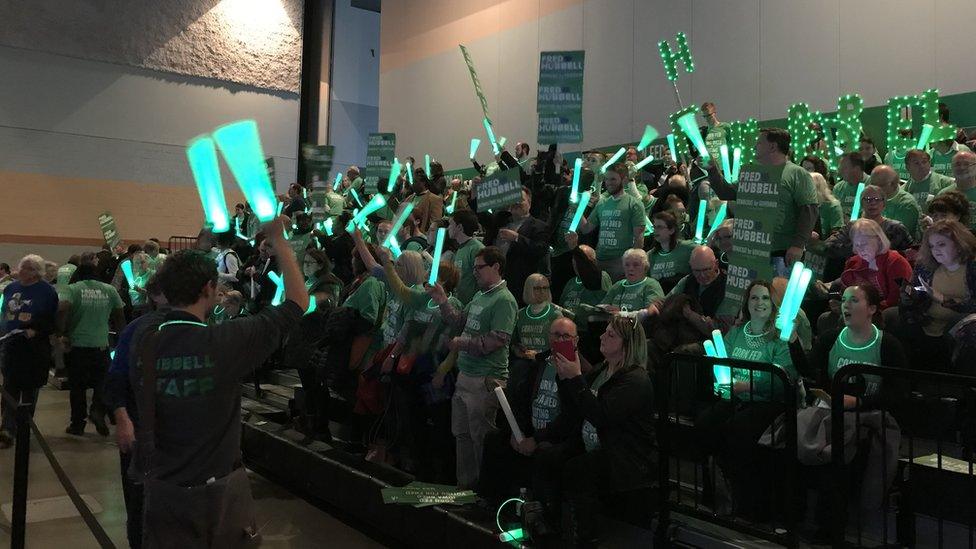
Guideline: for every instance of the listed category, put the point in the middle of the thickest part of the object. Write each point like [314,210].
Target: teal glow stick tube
[311,305]
[726,165]
[491,136]
[501,141]
[672,147]
[616,156]
[475,143]
[791,284]
[127,271]
[328,226]
[700,222]
[427,165]
[723,374]
[398,224]
[689,125]
[736,164]
[719,344]
[719,218]
[410,173]
[240,144]
[787,330]
[710,349]
[395,248]
[438,250]
[279,296]
[644,162]
[394,173]
[511,535]
[338,181]
[580,208]
[923,140]
[453,204]
[577,169]
[202,155]
[856,209]
[355,196]
[280,208]
[375,204]
[650,134]
[648,226]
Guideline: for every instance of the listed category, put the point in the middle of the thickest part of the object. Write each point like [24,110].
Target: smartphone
[565,348]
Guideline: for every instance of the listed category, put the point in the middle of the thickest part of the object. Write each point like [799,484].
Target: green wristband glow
[923,140]
[375,204]
[130,278]
[689,125]
[438,250]
[700,222]
[616,156]
[240,144]
[398,224]
[856,209]
[491,136]
[650,134]
[394,173]
[453,204]
[427,165]
[719,218]
[279,295]
[672,146]
[338,181]
[580,208]
[475,143]
[644,162]
[202,155]
[577,168]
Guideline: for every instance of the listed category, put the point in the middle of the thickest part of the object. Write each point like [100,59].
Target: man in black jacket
[524,241]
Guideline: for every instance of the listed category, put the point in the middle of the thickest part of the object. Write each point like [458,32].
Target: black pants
[585,478]
[316,409]
[503,470]
[132,494]
[21,394]
[87,367]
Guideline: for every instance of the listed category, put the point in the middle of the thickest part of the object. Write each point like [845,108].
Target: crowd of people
[571,324]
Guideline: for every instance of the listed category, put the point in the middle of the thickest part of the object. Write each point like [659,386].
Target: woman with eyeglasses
[840,245]
[721,243]
[669,254]
[637,291]
[530,336]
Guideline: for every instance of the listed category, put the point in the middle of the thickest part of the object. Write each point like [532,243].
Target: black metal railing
[177,243]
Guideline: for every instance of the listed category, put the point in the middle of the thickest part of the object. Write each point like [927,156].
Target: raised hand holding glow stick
[719,218]
[501,141]
[793,306]
[338,181]
[616,156]
[401,219]
[427,165]
[474,148]
[580,208]
[700,222]
[453,204]
[328,226]
[394,174]
[689,125]
[375,204]
[202,155]
[491,136]
[577,169]
[791,284]
[923,140]
[723,374]
[644,162]
[856,209]
[650,134]
[672,147]
[438,250]
[410,173]
[130,278]
[240,144]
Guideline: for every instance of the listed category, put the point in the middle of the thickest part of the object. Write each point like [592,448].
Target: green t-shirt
[843,353]
[942,162]
[766,348]
[634,296]
[591,439]
[532,329]
[776,196]
[896,159]
[671,264]
[714,139]
[923,191]
[903,207]
[831,218]
[299,244]
[970,196]
[397,312]
[617,219]
[369,299]
[92,303]
[488,311]
[559,246]
[545,405]
[575,295]
[427,324]
[464,261]
[334,203]
[64,275]
[845,192]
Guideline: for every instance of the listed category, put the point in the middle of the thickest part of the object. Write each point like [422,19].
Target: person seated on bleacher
[942,292]
[614,448]
[669,253]
[873,262]
[730,429]
[840,246]
[583,293]
[721,242]
[951,206]
[637,291]
[532,321]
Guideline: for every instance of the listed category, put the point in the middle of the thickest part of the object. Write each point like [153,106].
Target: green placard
[109,231]
[499,190]
[475,81]
[560,128]
[380,150]
[560,82]
[318,163]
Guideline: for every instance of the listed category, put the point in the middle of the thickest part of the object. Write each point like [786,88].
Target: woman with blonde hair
[531,333]
[831,214]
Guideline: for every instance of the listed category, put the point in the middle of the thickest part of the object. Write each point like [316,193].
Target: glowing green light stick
[502,140]
[923,139]
[395,248]
[491,136]
[736,164]
[577,169]
[690,127]
[438,250]
[672,146]
[616,156]
[511,535]
[427,165]
[650,134]
[791,284]
[700,222]
[237,229]
[374,205]
[355,196]
[726,165]
[450,208]
[202,154]
[311,305]
[648,226]
[240,144]
[279,296]
[644,162]
[580,208]
[794,305]
[719,218]
[394,173]
[110,355]
[474,147]
[723,374]
[338,181]
[856,209]
[127,271]
[398,224]
[281,206]
[328,226]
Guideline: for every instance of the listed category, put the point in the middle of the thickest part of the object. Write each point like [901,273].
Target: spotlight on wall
[260,24]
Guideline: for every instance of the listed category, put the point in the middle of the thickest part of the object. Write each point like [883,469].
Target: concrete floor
[92,463]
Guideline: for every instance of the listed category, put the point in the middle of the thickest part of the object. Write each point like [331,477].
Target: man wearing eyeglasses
[482,358]
[964,170]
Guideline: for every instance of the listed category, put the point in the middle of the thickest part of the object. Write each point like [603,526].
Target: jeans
[132,494]
[473,410]
[87,367]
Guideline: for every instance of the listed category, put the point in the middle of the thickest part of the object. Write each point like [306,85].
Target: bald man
[899,204]
[964,170]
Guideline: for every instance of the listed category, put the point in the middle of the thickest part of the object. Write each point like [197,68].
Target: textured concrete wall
[251,42]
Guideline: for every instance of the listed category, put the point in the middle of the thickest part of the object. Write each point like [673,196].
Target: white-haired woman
[637,291]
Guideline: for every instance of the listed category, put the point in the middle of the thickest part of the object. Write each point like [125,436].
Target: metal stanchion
[18,515]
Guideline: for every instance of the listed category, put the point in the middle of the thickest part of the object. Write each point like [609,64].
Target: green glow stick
[644,162]
[202,154]
[794,306]
[616,156]
[580,208]
[110,355]
[577,169]
[672,146]
[1,306]
[279,296]
[338,181]
[710,348]
[723,374]
[726,165]
[700,222]
[736,163]
[923,139]
[398,224]
[311,305]
[511,535]
[328,226]
[475,143]
[355,196]
[450,208]
[648,226]
[719,218]
[394,173]
[491,136]
[650,134]
[856,209]
[791,284]
[127,271]
[427,165]
[240,144]
[374,204]
[281,207]
[502,140]
[690,127]
[438,250]
[237,229]
[395,248]
[410,173]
